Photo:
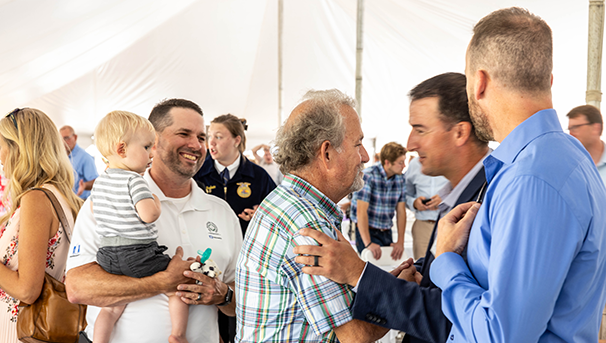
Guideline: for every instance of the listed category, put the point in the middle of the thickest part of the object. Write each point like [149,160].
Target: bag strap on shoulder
[58,209]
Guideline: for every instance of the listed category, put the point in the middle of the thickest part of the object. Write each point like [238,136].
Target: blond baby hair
[116,127]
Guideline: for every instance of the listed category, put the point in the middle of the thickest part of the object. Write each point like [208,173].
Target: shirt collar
[536,125]
[603,158]
[196,200]
[305,190]
[449,195]
[232,167]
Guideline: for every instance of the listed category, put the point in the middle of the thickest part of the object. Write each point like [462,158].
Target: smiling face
[222,146]
[139,151]
[430,137]
[181,147]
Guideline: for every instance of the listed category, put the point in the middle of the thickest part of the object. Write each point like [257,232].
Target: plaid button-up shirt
[276,301]
[382,195]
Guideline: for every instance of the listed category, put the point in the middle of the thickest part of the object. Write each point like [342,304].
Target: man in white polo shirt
[190,221]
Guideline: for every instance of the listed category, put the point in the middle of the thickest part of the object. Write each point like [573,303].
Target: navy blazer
[249,186]
[387,301]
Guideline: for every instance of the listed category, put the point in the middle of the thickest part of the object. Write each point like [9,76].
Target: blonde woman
[32,155]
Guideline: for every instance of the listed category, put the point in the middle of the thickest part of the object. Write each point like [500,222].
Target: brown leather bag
[51,318]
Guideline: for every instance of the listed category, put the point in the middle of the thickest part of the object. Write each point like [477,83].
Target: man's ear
[480,84]
[462,132]
[121,149]
[326,157]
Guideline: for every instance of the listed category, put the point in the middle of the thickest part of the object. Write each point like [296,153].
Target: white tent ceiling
[77,60]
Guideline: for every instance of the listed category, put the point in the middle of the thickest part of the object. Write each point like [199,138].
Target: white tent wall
[77,60]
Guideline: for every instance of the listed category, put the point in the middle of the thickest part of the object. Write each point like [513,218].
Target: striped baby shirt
[114,195]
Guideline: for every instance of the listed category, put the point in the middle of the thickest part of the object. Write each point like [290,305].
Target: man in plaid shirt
[320,150]
[383,194]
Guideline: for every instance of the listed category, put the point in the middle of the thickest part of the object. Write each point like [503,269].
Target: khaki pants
[421,233]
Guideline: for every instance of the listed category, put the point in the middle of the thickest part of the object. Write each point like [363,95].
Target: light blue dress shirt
[419,184]
[84,168]
[537,248]
[602,164]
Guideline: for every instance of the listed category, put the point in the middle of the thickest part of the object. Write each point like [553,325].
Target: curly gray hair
[298,141]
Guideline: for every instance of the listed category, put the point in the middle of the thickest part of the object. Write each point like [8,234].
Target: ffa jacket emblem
[243,190]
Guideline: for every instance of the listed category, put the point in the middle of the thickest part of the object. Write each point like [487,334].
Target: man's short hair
[449,88]
[320,120]
[391,152]
[592,113]
[69,128]
[516,47]
[116,127]
[159,115]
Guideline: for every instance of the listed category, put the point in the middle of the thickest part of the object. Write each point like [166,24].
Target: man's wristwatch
[228,297]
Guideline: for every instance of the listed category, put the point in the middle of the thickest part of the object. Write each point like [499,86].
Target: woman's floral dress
[56,257]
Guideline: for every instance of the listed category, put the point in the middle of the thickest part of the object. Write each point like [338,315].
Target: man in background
[267,162]
[422,199]
[373,207]
[585,124]
[83,163]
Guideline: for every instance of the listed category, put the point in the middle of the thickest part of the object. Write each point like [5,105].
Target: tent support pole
[359,50]
[593,95]
[280,85]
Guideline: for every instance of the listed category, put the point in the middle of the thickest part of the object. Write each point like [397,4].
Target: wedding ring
[199,297]
[316,261]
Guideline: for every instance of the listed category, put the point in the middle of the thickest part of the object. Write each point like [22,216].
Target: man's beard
[480,122]
[171,159]
[358,183]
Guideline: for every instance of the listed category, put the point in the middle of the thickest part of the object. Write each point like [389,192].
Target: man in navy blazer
[444,137]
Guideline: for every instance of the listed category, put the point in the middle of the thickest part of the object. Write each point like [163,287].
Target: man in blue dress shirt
[85,171]
[536,253]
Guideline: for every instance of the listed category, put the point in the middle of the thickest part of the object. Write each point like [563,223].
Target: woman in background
[227,174]
[33,155]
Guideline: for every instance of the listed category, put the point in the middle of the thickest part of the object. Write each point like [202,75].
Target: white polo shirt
[204,221]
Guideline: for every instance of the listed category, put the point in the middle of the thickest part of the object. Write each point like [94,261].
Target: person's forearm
[88,185]
[401,222]
[230,310]
[91,285]
[363,227]
[358,331]
[404,305]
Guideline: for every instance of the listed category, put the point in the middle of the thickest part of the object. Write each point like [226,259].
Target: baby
[125,210]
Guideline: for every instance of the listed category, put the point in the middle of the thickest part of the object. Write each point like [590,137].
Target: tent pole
[594,53]
[280,86]
[359,50]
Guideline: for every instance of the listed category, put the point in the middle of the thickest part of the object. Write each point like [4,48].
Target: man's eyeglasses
[574,127]
[12,116]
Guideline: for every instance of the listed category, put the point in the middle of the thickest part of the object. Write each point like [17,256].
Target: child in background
[125,210]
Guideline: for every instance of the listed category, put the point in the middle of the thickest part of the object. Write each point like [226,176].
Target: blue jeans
[381,237]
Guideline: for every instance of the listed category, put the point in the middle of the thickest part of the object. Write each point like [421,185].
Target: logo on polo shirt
[213,231]
[75,250]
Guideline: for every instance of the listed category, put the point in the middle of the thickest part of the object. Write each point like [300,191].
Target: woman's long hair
[36,156]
